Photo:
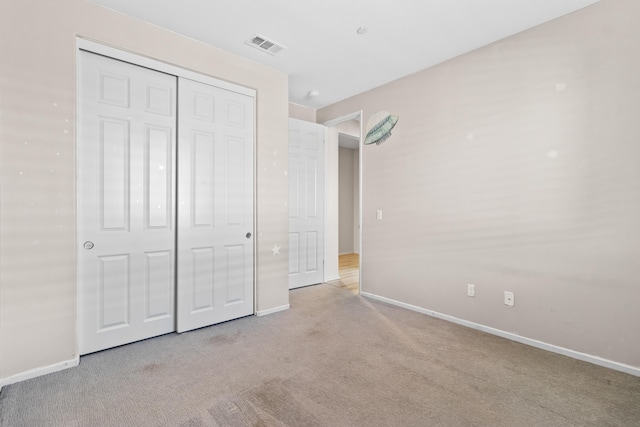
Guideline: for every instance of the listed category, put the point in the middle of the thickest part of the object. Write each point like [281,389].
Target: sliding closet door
[126,183]
[215,205]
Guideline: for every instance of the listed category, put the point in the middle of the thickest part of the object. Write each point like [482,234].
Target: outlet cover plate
[509,298]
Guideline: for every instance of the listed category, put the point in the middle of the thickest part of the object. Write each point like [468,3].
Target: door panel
[203,266]
[312,251]
[306,203]
[158,175]
[215,206]
[202,169]
[126,184]
[113,304]
[294,253]
[114,173]
[159,285]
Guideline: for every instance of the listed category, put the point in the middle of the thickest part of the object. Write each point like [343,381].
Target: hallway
[349,272]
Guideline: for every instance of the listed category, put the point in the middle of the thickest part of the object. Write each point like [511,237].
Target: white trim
[325,195]
[338,120]
[331,278]
[360,187]
[255,207]
[145,61]
[33,373]
[632,370]
[260,313]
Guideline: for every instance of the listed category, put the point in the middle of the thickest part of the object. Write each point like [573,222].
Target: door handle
[88,245]
[248,235]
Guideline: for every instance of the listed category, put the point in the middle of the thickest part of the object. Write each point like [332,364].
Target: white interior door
[306,203]
[215,205]
[126,182]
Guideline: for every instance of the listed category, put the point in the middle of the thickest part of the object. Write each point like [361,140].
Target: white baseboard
[331,278]
[632,370]
[33,373]
[272,310]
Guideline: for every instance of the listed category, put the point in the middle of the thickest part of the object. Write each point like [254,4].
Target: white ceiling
[324,53]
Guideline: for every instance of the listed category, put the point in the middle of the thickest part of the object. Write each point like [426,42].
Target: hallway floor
[349,272]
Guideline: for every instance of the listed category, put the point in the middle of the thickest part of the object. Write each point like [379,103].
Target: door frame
[356,115]
[157,65]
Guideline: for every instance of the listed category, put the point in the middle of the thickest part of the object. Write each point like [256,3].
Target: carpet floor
[333,359]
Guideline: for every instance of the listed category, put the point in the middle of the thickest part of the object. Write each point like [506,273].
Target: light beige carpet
[333,359]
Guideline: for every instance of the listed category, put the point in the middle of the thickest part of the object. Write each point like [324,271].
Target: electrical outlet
[379,214]
[509,298]
[471,290]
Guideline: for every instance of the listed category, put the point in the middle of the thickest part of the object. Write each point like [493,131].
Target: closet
[165,202]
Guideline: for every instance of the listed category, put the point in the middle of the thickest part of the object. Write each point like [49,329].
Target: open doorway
[343,197]
[348,204]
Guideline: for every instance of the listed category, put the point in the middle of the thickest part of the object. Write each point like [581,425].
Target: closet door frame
[153,64]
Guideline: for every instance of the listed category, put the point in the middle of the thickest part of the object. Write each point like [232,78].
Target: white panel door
[306,203]
[126,193]
[215,205]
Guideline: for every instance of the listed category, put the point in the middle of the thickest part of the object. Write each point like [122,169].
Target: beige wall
[516,167]
[349,127]
[301,112]
[345,200]
[37,181]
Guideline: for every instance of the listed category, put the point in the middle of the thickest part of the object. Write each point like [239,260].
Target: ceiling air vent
[264,44]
